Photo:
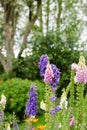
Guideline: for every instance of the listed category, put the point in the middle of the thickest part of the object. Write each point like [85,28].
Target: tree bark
[9,30]
[6,63]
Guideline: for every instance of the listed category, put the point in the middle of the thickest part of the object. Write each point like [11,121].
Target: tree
[59,15]
[11,14]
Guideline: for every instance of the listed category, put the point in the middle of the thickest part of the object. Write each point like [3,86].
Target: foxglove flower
[52,111]
[60,126]
[3,101]
[57,108]
[74,67]
[70,113]
[53,98]
[63,101]
[48,74]
[31,106]
[55,79]
[81,74]
[42,64]
[15,126]
[72,122]
[43,105]
[81,71]
[1,116]
[8,127]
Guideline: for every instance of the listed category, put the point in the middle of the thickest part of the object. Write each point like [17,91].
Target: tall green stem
[70,88]
[49,104]
[80,102]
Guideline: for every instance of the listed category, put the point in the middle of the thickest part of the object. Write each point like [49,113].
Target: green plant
[16,92]
[61,52]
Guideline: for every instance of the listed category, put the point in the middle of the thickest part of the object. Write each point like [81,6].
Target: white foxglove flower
[3,100]
[63,101]
[8,127]
[43,105]
[60,126]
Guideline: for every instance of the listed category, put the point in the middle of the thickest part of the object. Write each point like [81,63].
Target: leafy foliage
[16,92]
[61,52]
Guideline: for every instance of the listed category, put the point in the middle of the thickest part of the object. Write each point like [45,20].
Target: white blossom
[3,100]
[8,127]
[63,101]
[43,105]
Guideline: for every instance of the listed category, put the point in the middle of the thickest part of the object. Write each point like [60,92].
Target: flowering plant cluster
[68,112]
[49,72]
[51,76]
[31,107]
[3,124]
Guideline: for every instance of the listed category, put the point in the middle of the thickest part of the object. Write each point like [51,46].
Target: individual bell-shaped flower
[43,105]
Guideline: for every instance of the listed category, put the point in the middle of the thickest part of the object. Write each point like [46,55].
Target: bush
[62,53]
[16,92]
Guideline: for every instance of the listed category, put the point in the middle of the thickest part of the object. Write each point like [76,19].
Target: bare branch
[29,27]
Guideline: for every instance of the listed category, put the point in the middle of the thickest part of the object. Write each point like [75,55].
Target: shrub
[16,92]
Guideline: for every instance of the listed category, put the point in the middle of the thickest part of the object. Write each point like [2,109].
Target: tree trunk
[9,30]
[48,11]
[9,27]
[6,63]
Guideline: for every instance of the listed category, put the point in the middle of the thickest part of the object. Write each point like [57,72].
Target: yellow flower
[34,120]
[40,127]
[27,120]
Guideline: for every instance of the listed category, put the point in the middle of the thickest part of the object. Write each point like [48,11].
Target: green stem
[49,104]
[70,88]
[80,102]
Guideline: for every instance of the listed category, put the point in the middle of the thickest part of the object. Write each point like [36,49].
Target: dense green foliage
[62,53]
[16,91]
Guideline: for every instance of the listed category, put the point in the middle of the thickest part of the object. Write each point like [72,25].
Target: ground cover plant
[68,112]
